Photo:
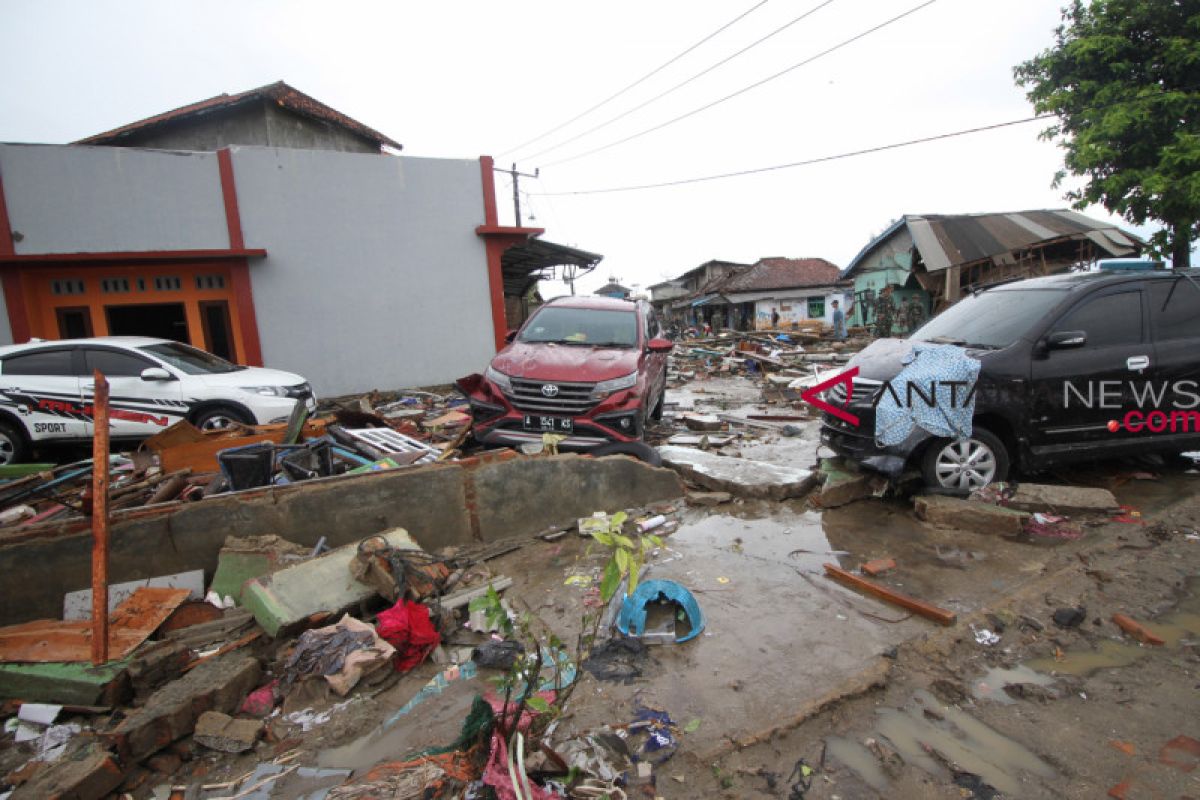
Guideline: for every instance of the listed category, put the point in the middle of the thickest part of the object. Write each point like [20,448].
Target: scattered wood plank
[465,596]
[939,615]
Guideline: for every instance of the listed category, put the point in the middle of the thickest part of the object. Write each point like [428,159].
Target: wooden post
[100,521]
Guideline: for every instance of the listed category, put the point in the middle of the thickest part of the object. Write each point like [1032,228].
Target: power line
[745,89]
[806,162]
[639,81]
[680,85]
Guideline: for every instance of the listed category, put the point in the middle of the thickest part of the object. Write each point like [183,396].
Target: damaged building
[939,257]
[230,223]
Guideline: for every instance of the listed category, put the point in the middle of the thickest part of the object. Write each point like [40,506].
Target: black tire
[219,417]
[961,467]
[656,413]
[13,446]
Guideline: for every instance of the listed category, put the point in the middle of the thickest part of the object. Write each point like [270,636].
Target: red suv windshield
[591,327]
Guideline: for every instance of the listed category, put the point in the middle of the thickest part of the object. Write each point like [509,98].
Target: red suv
[592,369]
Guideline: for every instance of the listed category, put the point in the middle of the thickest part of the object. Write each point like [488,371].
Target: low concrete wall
[452,503]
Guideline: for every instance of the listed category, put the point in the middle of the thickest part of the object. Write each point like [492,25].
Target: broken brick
[87,774]
[1185,745]
[878,566]
[1136,629]
[172,711]
[218,731]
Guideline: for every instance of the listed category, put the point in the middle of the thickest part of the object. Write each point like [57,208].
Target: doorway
[74,322]
[159,320]
[218,335]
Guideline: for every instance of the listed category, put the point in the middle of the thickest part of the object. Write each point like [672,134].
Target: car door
[1077,392]
[1175,328]
[137,408]
[656,363]
[42,387]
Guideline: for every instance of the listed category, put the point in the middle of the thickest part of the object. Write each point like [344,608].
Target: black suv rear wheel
[966,465]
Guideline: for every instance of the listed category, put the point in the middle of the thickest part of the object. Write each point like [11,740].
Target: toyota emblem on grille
[550,390]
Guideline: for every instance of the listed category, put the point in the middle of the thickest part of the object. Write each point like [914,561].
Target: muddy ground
[792,667]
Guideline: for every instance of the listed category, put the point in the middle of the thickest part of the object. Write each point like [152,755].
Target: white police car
[47,390]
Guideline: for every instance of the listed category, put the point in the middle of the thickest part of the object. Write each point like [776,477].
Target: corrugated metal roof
[945,240]
[279,93]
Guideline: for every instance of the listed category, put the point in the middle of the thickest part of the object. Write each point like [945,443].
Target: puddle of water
[991,685]
[926,725]
[1173,627]
[861,760]
[1110,654]
[437,722]
[770,538]
[1152,496]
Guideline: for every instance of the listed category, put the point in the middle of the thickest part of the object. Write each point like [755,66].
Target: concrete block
[218,731]
[76,683]
[708,498]
[969,515]
[739,476]
[249,557]
[89,773]
[842,484]
[284,600]
[172,711]
[1063,499]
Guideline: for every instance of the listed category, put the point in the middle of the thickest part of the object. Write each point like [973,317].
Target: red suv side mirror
[660,345]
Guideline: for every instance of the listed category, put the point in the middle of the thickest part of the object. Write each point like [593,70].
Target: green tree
[1123,78]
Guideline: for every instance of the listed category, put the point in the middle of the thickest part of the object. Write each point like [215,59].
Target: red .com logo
[1157,421]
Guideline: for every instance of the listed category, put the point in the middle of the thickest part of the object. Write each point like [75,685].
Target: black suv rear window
[40,362]
[1175,309]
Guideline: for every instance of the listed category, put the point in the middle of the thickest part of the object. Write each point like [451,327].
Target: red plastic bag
[406,627]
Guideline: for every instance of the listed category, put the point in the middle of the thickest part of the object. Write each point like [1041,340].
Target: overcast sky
[463,79]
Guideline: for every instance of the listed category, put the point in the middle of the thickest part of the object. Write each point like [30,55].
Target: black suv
[1074,367]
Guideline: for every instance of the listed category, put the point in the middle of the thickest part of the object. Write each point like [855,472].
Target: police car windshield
[991,320]
[190,360]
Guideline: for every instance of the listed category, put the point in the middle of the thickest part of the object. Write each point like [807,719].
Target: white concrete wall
[65,199]
[794,308]
[374,276]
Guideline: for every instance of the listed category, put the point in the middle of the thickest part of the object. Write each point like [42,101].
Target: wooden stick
[100,521]
[227,648]
[939,615]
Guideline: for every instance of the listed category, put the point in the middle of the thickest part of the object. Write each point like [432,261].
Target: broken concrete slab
[488,497]
[244,558]
[172,711]
[842,484]
[218,731]
[282,601]
[63,683]
[1063,499]
[702,422]
[708,498]
[739,476]
[969,515]
[89,773]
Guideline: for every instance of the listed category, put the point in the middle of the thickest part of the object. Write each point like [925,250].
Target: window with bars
[210,282]
[67,286]
[114,285]
[167,283]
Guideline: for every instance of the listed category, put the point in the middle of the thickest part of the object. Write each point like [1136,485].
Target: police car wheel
[219,418]
[967,465]
[13,448]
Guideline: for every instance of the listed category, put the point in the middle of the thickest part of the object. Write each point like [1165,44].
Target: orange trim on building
[43,289]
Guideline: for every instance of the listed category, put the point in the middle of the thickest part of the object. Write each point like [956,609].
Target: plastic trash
[632,619]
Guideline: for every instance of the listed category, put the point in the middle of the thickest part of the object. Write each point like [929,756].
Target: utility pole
[516,176]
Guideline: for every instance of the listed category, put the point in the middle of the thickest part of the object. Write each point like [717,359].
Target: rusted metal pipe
[100,521]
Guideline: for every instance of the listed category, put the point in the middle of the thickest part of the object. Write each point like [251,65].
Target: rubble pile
[372,432]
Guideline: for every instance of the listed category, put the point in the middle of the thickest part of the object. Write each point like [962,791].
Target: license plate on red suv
[538,422]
